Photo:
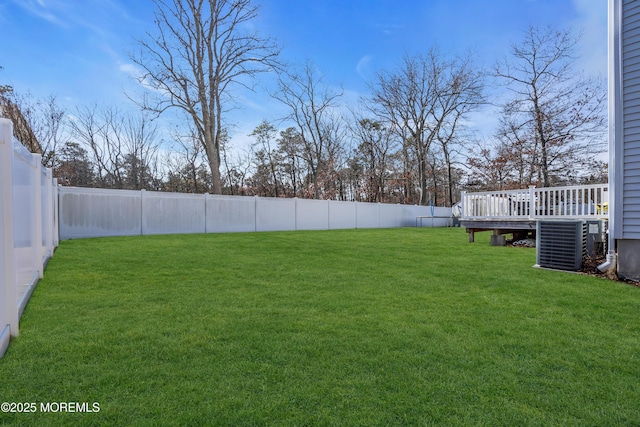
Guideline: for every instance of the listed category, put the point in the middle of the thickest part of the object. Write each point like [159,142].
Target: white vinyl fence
[90,212]
[28,227]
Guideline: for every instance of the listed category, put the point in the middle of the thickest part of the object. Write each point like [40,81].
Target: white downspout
[615,108]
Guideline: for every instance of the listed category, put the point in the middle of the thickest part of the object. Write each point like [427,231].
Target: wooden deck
[518,211]
[517,227]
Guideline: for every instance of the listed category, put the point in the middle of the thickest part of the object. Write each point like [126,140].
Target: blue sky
[78,50]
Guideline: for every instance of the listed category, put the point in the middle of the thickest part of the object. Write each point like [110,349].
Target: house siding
[628,150]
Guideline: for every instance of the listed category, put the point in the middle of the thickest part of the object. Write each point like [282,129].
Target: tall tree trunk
[544,166]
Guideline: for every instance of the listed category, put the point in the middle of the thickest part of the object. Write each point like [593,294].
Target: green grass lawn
[354,327]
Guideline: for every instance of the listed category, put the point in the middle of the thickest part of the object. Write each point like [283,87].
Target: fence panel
[28,229]
[8,301]
[26,245]
[230,214]
[342,215]
[433,217]
[312,214]
[273,214]
[368,215]
[389,215]
[172,213]
[92,212]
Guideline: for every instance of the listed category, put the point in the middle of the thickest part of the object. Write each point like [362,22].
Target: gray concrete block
[629,259]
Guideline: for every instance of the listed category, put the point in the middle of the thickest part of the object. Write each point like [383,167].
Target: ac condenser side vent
[596,238]
[560,244]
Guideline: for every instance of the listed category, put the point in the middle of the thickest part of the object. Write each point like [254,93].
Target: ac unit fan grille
[560,244]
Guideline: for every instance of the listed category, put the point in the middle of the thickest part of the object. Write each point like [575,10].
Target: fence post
[37,225]
[356,214]
[255,213]
[56,213]
[206,228]
[47,237]
[142,215]
[9,310]
[328,214]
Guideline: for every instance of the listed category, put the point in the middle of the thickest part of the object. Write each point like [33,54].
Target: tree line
[410,140]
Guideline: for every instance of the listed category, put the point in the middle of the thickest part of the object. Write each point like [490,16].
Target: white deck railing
[575,202]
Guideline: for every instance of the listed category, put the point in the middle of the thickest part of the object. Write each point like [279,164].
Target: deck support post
[498,239]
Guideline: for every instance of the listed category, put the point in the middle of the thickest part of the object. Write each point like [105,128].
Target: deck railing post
[532,201]
[463,200]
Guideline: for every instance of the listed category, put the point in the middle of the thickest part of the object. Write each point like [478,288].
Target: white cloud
[389,29]
[136,74]
[363,68]
[44,9]
[93,15]
[131,70]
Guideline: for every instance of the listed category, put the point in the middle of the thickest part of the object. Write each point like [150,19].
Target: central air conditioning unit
[560,244]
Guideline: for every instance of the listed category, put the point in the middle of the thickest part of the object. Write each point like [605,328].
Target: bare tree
[73,167]
[557,111]
[50,129]
[184,166]
[123,148]
[371,157]
[492,168]
[518,150]
[5,89]
[236,171]
[85,129]
[10,109]
[42,125]
[290,150]
[426,94]
[464,95]
[141,146]
[199,52]
[266,156]
[310,103]
[39,124]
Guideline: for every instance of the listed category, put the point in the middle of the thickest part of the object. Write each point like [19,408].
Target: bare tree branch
[556,115]
[200,51]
